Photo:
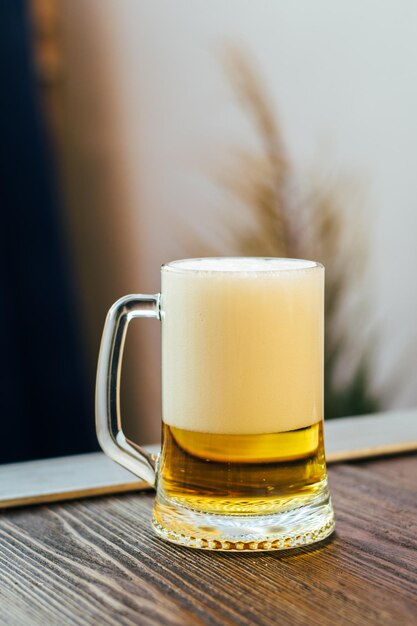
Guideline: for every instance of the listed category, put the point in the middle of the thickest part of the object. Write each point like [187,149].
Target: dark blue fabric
[45,408]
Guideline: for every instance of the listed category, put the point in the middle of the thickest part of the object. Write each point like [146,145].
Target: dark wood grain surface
[97,562]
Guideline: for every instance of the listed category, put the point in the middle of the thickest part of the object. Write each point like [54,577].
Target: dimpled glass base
[289,529]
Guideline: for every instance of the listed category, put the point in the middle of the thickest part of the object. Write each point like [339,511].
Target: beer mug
[242,464]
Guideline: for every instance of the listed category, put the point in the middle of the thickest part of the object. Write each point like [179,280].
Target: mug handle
[108,419]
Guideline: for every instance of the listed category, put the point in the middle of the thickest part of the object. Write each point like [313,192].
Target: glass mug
[242,463]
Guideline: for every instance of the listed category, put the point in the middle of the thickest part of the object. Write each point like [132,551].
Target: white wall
[343,77]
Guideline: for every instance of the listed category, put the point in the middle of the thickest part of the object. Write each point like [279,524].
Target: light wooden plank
[65,478]
[367,436]
[94,474]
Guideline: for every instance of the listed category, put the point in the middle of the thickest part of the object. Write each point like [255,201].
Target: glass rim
[180,265]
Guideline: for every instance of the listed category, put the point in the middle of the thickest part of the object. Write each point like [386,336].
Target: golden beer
[242,474]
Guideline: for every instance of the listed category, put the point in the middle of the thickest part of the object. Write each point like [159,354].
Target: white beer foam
[239,264]
[242,346]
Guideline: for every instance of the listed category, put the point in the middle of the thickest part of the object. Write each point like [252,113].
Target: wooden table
[96,562]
